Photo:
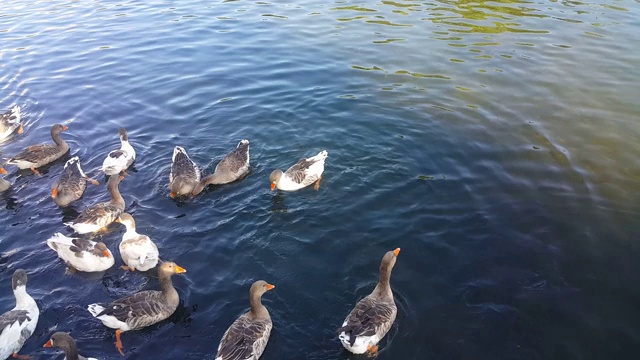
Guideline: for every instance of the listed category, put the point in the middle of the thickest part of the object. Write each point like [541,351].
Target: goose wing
[182,165]
[106,211]
[36,153]
[245,339]
[236,160]
[369,317]
[11,318]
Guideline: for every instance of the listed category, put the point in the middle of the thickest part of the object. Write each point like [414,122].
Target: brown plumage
[39,155]
[102,214]
[372,317]
[247,337]
[232,167]
[71,184]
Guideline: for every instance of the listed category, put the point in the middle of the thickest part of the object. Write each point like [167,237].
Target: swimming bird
[119,160]
[184,175]
[304,173]
[71,184]
[65,342]
[17,325]
[138,251]
[4,184]
[143,308]
[39,155]
[99,216]
[232,167]
[81,254]
[247,337]
[372,317]
[10,122]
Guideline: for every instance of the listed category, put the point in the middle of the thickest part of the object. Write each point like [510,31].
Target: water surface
[495,142]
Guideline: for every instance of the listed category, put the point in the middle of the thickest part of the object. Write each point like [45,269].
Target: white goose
[119,160]
[17,325]
[138,251]
[302,174]
[81,254]
[10,122]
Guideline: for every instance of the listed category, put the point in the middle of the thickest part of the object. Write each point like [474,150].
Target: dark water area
[496,143]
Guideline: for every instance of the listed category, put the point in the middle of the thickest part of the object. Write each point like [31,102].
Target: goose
[138,251]
[99,216]
[304,173]
[4,184]
[372,317]
[232,167]
[10,122]
[184,175]
[17,325]
[65,342]
[71,184]
[247,337]
[143,308]
[81,254]
[119,160]
[39,155]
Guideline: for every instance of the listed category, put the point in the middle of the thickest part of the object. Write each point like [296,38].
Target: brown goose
[100,215]
[143,308]
[372,317]
[232,167]
[65,342]
[71,184]
[184,175]
[39,155]
[247,337]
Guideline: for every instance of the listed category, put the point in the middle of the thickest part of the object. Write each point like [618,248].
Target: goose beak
[54,193]
[48,344]
[396,251]
[269,286]
[273,186]
[172,195]
[117,220]
[106,253]
[121,177]
[3,171]
[64,127]
[180,270]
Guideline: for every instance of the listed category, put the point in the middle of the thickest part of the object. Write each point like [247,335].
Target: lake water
[495,142]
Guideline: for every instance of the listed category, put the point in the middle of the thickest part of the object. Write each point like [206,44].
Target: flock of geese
[247,337]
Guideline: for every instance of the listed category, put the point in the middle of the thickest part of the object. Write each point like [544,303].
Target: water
[496,143]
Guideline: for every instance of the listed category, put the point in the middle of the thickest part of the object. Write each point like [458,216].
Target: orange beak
[48,344]
[180,270]
[396,251]
[172,195]
[3,171]
[269,286]
[106,253]
[273,186]
[54,193]
[121,177]
[117,220]
[20,129]
[64,127]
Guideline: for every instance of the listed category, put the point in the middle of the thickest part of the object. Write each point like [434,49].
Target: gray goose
[372,317]
[302,174]
[232,167]
[71,184]
[99,216]
[143,308]
[39,155]
[247,337]
[184,175]
[65,342]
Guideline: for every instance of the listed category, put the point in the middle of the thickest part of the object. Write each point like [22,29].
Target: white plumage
[138,251]
[17,325]
[120,159]
[83,255]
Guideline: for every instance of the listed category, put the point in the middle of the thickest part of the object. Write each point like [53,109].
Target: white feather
[107,320]
[82,228]
[88,262]
[116,164]
[10,336]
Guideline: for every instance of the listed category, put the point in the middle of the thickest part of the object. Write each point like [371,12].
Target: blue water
[496,143]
